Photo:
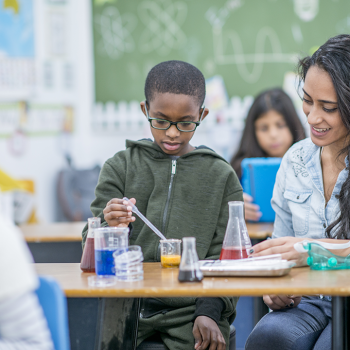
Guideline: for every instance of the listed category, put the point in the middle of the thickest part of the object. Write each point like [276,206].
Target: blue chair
[54,304]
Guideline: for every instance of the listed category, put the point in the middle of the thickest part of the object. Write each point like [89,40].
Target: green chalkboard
[250,43]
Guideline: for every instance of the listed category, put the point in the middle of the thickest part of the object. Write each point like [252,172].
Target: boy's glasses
[163,124]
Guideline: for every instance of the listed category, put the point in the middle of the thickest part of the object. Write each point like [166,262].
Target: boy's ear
[143,109]
[205,113]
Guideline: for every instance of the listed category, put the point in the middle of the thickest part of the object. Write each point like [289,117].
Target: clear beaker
[107,241]
[170,252]
[87,263]
[189,267]
[236,243]
[128,263]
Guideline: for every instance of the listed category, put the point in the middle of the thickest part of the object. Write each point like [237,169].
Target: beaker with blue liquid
[107,241]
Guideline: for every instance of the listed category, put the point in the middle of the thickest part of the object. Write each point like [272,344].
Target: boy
[183,191]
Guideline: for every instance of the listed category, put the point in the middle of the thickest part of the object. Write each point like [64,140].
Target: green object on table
[322,259]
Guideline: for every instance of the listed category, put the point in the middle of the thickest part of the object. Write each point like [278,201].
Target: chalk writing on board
[162,20]
[225,39]
[306,10]
[218,17]
[115,30]
[258,58]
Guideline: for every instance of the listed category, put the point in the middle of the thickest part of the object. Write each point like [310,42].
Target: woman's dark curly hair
[334,58]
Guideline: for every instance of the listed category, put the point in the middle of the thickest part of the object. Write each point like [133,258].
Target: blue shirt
[298,196]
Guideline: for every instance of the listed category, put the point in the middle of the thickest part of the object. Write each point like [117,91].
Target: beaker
[189,267]
[170,252]
[128,263]
[236,243]
[107,241]
[87,263]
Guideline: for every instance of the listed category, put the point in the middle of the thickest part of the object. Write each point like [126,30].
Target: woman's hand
[207,334]
[118,213]
[277,302]
[284,246]
[251,210]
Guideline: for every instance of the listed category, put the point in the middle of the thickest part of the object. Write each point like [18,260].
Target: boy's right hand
[251,211]
[118,212]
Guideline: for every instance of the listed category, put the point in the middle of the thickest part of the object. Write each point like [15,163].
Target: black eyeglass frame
[174,123]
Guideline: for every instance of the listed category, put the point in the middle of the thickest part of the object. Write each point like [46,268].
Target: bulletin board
[37,67]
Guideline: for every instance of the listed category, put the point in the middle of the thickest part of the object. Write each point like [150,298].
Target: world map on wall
[16,28]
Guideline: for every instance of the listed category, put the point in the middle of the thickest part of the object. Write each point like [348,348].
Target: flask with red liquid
[88,259]
[236,243]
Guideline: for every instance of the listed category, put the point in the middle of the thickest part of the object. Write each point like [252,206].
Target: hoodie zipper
[173,172]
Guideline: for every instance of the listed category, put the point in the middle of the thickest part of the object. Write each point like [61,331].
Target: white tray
[246,267]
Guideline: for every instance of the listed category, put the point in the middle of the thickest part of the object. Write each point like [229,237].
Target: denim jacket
[298,197]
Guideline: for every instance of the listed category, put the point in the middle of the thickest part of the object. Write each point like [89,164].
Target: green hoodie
[183,197]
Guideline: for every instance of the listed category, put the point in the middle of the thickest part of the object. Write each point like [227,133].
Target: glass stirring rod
[144,219]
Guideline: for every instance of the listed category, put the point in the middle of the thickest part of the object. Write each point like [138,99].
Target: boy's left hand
[207,333]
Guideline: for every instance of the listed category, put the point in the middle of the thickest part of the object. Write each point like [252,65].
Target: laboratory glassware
[236,243]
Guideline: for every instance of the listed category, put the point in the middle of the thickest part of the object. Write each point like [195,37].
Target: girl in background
[272,126]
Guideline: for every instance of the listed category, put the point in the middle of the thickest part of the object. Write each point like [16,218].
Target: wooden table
[160,282]
[54,242]
[61,243]
[53,232]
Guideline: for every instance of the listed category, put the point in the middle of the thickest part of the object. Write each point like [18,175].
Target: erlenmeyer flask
[88,259]
[189,267]
[236,243]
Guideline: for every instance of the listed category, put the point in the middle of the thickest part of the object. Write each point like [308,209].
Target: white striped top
[22,323]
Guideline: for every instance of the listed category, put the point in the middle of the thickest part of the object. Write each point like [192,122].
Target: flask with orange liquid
[236,243]
[88,259]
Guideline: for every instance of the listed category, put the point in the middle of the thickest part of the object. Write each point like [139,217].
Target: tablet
[258,180]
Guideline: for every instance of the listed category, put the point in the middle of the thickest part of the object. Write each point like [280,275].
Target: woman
[272,126]
[311,199]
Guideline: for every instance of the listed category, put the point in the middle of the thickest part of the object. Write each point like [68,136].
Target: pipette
[144,219]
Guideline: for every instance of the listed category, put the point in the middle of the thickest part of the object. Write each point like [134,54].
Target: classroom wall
[43,155]
[63,34]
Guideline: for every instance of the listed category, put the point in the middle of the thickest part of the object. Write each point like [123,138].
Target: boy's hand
[251,211]
[206,332]
[118,213]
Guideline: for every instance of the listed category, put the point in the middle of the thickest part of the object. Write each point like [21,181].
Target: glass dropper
[144,219]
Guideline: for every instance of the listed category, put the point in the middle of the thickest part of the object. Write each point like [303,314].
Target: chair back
[54,305]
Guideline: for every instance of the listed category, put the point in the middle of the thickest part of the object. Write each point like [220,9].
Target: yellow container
[170,252]
[170,260]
